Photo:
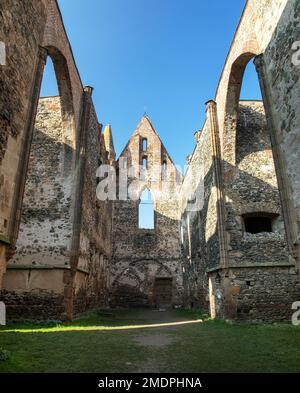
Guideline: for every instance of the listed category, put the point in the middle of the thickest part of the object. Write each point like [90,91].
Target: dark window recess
[164,170]
[258,224]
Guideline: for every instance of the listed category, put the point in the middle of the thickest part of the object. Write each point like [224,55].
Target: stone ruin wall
[15,81]
[283,78]
[141,255]
[199,235]
[258,263]
[92,283]
[39,274]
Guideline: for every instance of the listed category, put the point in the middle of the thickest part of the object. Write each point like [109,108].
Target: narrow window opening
[145,163]
[145,144]
[164,170]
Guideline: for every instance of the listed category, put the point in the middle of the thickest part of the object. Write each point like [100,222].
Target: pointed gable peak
[107,130]
[108,141]
[146,120]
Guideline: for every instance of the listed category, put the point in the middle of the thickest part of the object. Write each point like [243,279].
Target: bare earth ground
[158,339]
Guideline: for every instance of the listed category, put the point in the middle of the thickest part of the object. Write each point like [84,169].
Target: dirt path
[158,337]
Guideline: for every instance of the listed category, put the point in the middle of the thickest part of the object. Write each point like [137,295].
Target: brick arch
[56,41]
[63,80]
[235,81]
[129,272]
[231,83]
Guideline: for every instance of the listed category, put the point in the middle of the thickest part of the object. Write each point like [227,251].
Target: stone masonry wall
[44,241]
[140,255]
[264,283]
[199,235]
[253,190]
[93,278]
[261,293]
[39,272]
[282,73]
[22,26]
[46,228]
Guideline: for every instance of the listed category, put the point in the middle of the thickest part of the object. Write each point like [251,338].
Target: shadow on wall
[252,132]
[46,226]
[246,193]
[249,187]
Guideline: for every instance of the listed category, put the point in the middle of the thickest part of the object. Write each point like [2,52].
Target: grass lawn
[127,342]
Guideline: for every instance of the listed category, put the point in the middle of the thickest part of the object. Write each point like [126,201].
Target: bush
[4,355]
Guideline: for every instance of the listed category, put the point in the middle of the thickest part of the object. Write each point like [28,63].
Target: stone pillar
[69,277]
[211,109]
[285,191]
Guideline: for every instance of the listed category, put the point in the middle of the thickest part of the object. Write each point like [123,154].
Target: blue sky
[164,57]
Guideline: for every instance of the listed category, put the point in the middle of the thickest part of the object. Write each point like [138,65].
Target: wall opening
[250,88]
[145,163]
[144,144]
[146,213]
[258,224]
[164,170]
[163,292]
[45,225]
[49,87]
[250,178]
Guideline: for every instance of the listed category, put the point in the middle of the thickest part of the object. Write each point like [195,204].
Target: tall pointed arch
[146,211]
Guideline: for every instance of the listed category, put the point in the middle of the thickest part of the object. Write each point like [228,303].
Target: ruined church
[224,236]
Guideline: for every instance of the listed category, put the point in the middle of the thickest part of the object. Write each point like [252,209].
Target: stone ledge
[253,265]
[44,267]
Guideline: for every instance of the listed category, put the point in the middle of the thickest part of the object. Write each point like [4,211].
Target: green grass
[216,346]
[92,344]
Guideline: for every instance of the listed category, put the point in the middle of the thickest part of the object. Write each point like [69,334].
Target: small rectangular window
[258,224]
